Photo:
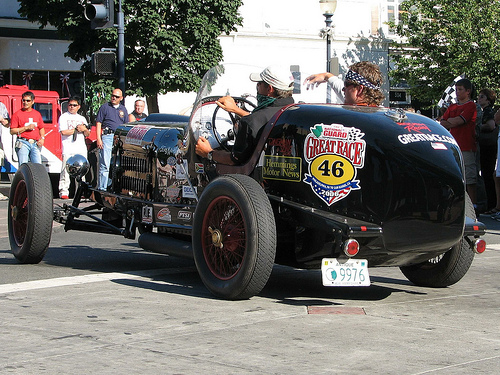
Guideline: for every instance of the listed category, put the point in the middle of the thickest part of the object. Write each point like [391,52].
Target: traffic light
[101,14]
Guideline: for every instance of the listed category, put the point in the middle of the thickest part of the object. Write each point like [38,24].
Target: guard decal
[334,153]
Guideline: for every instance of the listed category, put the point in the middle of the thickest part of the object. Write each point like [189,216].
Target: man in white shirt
[73,128]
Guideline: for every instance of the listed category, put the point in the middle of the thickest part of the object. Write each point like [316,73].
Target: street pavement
[98,304]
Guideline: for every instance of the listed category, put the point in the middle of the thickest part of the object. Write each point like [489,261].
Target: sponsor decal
[412,138]
[164,215]
[439,146]
[199,168]
[147,214]
[187,192]
[284,168]
[171,161]
[181,170]
[334,154]
[136,134]
[414,127]
[172,192]
[184,215]
[284,146]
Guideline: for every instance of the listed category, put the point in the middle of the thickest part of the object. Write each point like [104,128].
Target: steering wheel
[234,119]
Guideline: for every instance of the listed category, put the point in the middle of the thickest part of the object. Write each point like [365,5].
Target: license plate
[350,272]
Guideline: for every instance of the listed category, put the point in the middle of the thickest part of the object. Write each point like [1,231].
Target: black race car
[341,188]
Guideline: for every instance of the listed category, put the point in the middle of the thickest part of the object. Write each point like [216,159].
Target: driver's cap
[276,76]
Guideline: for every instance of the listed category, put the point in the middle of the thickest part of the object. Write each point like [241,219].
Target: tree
[442,39]
[169,44]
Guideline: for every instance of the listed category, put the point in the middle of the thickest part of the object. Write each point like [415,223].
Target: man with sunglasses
[28,125]
[110,116]
[360,87]
[274,91]
[73,128]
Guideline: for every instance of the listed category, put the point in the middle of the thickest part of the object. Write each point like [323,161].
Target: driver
[274,91]
[360,87]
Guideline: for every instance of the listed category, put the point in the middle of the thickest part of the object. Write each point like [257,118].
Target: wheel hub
[14,212]
[216,237]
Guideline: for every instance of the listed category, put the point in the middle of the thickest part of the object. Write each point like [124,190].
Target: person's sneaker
[3,197]
[64,197]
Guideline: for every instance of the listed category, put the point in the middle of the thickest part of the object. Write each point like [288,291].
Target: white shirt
[337,84]
[70,147]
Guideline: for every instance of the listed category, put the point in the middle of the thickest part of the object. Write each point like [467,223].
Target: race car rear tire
[30,213]
[447,268]
[234,237]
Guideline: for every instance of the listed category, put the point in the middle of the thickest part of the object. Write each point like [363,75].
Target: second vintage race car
[331,187]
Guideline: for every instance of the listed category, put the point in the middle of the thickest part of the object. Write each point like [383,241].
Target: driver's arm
[228,104]
[219,156]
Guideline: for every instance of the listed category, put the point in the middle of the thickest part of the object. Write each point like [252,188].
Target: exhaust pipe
[158,243]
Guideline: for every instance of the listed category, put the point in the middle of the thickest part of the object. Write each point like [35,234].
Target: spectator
[274,91]
[488,135]
[460,120]
[28,125]
[361,85]
[496,215]
[110,116]
[138,112]
[73,128]
[5,121]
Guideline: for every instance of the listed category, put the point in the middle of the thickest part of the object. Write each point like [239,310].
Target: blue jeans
[104,160]
[28,152]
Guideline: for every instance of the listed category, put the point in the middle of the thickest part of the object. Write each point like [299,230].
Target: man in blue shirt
[110,116]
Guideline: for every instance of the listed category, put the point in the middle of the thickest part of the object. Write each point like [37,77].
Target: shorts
[470,167]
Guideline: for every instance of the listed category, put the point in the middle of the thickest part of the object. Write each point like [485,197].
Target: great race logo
[333,153]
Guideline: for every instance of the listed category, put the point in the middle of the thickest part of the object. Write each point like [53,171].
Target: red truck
[49,105]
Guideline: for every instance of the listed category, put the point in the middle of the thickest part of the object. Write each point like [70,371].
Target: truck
[48,104]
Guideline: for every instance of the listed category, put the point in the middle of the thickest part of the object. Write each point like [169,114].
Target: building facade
[282,32]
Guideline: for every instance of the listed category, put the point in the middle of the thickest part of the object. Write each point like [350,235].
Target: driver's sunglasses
[72,105]
[115,96]
[27,100]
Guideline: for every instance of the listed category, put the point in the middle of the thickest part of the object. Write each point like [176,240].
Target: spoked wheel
[445,269]
[30,213]
[234,237]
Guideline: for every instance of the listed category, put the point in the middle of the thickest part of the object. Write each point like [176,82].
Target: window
[46,110]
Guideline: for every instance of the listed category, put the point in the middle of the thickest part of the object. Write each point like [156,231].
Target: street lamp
[328,8]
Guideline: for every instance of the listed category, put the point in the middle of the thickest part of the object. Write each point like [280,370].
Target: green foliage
[169,44]
[443,39]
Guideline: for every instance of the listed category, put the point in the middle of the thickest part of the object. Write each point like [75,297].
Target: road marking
[85,279]
[493,246]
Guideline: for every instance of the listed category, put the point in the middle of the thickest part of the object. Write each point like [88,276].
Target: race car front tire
[30,213]
[234,237]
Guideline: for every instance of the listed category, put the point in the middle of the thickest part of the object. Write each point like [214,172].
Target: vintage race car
[331,187]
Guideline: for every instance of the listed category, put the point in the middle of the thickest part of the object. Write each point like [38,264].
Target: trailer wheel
[234,237]
[447,268]
[30,213]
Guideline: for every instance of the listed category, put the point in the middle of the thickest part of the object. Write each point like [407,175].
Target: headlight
[77,166]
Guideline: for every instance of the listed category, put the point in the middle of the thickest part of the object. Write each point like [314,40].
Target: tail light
[479,246]
[351,247]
